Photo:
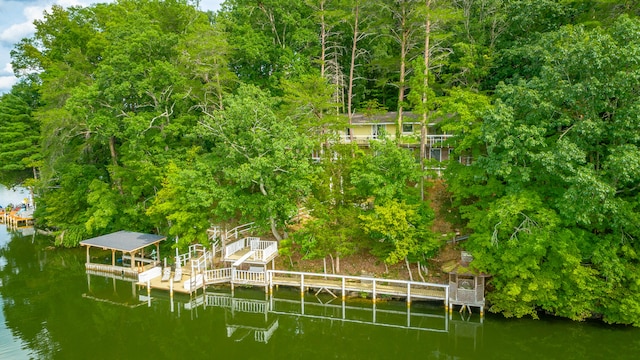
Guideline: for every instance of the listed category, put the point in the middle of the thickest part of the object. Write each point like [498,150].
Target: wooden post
[344,294]
[408,294]
[133,259]
[88,257]
[302,286]
[113,257]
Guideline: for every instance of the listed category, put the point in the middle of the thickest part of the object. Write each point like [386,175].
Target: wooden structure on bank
[466,288]
[131,245]
[17,217]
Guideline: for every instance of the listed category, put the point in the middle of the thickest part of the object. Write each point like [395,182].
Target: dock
[17,217]
[244,262]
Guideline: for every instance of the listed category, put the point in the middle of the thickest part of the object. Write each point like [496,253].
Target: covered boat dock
[132,245]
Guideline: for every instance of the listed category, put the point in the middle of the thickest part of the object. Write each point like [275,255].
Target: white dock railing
[234,247]
[217,276]
[343,283]
[183,259]
[264,249]
[248,277]
[237,231]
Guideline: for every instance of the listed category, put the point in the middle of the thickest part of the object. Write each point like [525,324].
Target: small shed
[132,245]
[466,287]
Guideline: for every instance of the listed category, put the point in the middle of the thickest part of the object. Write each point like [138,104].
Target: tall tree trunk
[354,47]
[274,228]
[114,162]
[272,220]
[323,60]
[219,89]
[333,264]
[112,150]
[425,112]
[403,69]
[323,40]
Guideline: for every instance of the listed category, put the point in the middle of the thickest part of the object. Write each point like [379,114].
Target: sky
[16,22]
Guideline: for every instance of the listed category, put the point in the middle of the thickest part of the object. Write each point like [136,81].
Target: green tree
[262,163]
[19,134]
[568,136]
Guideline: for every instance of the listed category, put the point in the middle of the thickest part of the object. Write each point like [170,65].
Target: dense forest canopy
[153,116]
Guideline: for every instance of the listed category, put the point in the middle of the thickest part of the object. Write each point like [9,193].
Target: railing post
[374,291]
[408,294]
[343,289]
[446,298]
[302,285]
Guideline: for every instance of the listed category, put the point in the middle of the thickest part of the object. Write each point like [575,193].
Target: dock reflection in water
[258,318]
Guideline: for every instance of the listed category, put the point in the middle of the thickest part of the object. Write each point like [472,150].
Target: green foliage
[262,162]
[399,231]
[152,116]
[534,262]
[387,172]
[561,168]
[19,134]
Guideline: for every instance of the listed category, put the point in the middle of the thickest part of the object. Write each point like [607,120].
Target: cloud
[16,32]
[25,28]
[8,68]
[6,82]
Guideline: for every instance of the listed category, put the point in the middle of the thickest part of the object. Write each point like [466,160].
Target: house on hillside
[365,128]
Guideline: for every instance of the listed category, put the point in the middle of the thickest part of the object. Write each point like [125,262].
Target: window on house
[436,153]
[377,130]
[407,128]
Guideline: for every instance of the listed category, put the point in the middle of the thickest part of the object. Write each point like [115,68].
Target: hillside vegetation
[154,116]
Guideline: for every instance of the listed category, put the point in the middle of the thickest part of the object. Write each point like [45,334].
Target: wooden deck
[250,250]
[17,218]
[372,286]
[157,283]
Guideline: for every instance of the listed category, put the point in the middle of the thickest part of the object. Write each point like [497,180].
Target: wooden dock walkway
[343,284]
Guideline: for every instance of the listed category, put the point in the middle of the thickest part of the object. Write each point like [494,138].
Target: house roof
[389,118]
[126,241]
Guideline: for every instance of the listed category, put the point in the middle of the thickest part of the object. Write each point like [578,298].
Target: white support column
[374,293]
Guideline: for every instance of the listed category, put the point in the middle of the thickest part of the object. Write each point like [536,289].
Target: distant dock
[17,217]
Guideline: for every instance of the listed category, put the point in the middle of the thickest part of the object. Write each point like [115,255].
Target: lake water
[51,309]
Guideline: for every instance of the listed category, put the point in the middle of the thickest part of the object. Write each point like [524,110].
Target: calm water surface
[51,309]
